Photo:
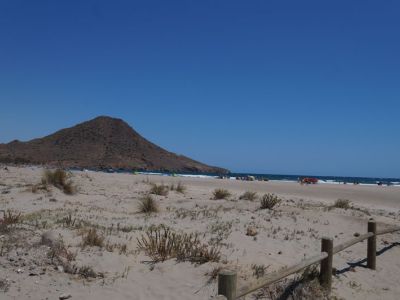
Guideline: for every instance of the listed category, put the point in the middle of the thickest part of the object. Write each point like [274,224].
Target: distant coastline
[384,181]
[276,177]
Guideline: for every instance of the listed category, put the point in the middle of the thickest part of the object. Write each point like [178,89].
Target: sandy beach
[119,269]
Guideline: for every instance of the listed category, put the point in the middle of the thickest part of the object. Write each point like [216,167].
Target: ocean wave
[328,181]
[195,176]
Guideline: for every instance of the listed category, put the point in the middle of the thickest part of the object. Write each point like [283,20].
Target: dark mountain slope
[103,142]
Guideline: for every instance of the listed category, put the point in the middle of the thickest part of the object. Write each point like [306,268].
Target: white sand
[286,235]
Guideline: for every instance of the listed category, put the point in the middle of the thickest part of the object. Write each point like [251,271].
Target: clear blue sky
[309,87]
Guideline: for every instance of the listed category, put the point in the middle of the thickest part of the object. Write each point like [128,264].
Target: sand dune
[109,203]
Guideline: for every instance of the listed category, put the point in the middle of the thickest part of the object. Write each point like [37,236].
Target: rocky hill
[103,142]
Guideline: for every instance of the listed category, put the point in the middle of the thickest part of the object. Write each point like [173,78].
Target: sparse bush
[147,205]
[68,221]
[310,273]
[56,178]
[59,179]
[220,231]
[123,248]
[251,196]
[9,218]
[221,194]
[161,243]
[342,203]
[92,239]
[258,270]
[213,274]
[58,250]
[269,201]
[69,188]
[161,190]
[301,287]
[87,272]
[39,187]
[180,188]
[4,285]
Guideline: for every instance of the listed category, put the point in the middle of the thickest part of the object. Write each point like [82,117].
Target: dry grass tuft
[269,201]
[342,203]
[69,189]
[147,205]
[59,250]
[4,285]
[251,196]
[303,287]
[259,270]
[9,219]
[92,238]
[161,190]
[180,188]
[161,243]
[68,221]
[219,194]
[213,274]
[87,272]
[39,187]
[59,179]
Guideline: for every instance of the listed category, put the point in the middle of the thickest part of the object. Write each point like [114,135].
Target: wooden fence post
[371,248]
[325,276]
[227,284]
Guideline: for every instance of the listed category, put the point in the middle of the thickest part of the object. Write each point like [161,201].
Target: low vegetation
[68,221]
[86,272]
[301,287]
[59,251]
[213,274]
[269,201]
[161,243]
[251,196]
[92,238]
[59,179]
[180,188]
[161,190]
[259,270]
[219,194]
[39,187]
[342,203]
[9,219]
[147,205]
[4,285]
